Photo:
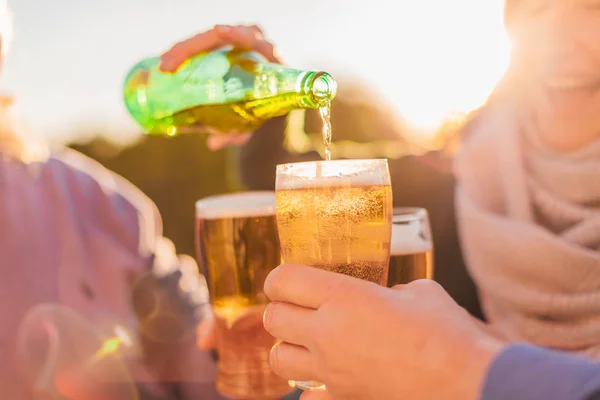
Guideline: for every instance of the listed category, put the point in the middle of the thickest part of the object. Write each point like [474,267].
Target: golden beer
[336,216]
[340,229]
[237,246]
[407,267]
[411,250]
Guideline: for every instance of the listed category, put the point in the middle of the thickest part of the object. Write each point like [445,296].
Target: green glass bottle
[228,90]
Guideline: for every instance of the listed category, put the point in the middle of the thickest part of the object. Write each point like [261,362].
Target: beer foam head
[406,239]
[372,172]
[236,205]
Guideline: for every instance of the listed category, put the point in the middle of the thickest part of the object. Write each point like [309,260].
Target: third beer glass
[336,215]
[412,247]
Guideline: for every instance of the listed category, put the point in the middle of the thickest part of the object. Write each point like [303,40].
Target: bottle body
[228,91]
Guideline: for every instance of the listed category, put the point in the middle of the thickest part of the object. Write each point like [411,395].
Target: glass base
[307,385]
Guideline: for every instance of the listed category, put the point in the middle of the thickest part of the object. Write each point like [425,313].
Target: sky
[426,57]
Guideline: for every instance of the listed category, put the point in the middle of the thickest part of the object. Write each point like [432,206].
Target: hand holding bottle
[226,82]
[246,37]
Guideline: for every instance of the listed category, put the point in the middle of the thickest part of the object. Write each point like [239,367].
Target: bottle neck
[314,89]
[318,89]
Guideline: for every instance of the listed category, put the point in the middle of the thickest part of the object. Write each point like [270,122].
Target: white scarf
[529,221]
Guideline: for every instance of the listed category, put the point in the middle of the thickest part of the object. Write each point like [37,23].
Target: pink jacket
[76,235]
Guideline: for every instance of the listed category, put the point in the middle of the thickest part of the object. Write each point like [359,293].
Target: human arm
[359,338]
[526,372]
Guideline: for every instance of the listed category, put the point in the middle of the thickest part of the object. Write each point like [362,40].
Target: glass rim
[329,162]
[406,214]
[216,206]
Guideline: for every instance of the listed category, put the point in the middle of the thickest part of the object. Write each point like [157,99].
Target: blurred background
[408,73]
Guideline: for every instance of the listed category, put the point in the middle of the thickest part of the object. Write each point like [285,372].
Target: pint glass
[237,247]
[411,254]
[336,215]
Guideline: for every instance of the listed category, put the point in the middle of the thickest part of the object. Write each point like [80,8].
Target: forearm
[530,373]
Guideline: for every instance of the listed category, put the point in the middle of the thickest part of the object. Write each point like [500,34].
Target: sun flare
[448,57]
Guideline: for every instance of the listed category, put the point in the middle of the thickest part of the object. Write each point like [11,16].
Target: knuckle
[266,48]
[223,28]
[269,317]
[426,284]
[256,29]
[179,46]
[275,281]
[326,339]
[425,287]
[283,275]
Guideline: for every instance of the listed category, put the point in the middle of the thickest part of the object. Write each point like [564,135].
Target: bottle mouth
[323,88]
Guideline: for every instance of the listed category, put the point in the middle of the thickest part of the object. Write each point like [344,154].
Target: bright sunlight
[449,55]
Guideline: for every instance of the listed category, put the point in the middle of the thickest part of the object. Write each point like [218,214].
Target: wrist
[482,353]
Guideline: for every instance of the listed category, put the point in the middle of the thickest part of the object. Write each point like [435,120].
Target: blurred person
[412,341]
[80,238]
[528,197]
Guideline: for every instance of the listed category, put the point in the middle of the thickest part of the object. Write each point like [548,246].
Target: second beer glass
[237,247]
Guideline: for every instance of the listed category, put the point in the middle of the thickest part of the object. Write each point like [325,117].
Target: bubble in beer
[342,229]
[369,271]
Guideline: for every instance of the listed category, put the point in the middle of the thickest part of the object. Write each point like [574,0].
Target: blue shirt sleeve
[524,372]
